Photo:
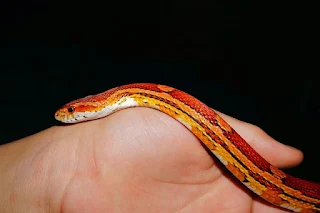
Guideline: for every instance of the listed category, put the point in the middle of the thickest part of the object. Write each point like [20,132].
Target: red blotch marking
[165,88]
[236,172]
[213,136]
[85,108]
[308,188]
[266,183]
[248,151]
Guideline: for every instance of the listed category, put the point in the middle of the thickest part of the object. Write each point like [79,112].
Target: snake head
[79,110]
[94,106]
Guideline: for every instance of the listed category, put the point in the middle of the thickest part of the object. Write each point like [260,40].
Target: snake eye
[70,109]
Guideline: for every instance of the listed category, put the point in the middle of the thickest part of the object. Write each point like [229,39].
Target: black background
[248,60]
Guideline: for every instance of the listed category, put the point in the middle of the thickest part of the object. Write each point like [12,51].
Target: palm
[147,162]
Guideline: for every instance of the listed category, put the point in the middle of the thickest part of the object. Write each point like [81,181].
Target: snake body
[265,180]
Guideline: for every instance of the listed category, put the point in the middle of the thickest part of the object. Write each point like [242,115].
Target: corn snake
[265,180]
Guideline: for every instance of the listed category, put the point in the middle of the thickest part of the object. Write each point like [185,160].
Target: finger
[276,153]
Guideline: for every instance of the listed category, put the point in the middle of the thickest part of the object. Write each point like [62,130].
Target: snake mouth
[64,116]
[61,115]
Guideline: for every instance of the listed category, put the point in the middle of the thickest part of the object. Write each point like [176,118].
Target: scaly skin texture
[225,143]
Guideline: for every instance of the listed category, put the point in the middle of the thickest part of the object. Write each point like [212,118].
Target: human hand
[135,160]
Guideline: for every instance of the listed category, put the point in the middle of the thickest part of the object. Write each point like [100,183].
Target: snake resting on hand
[264,179]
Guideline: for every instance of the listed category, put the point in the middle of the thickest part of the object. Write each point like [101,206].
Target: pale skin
[136,160]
